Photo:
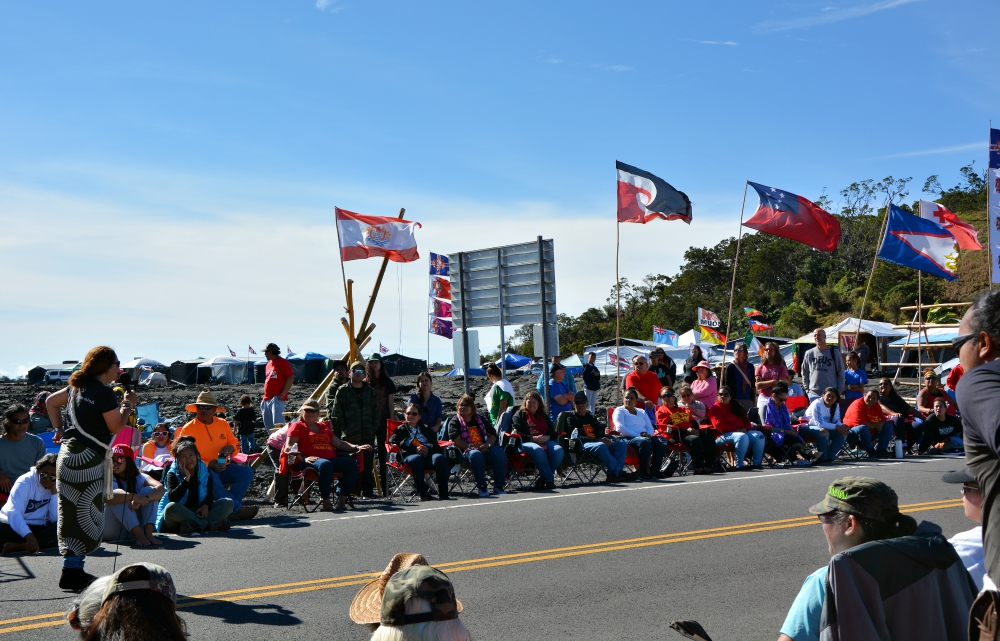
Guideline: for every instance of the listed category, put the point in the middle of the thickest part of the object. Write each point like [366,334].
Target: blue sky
[168,172]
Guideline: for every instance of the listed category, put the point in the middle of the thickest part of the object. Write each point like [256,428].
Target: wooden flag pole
[732,287]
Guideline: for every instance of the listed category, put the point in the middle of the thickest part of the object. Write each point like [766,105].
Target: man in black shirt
[662,365]
[942,431]
[978,348]
[591,433]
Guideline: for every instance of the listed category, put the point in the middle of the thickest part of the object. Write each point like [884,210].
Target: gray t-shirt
[17,457]
[979,401]
[822,369]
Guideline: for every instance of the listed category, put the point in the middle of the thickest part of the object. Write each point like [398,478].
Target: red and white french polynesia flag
[376,236]
[965,234]
[643,197]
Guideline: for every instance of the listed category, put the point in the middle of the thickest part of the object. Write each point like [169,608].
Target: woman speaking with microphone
[84,470]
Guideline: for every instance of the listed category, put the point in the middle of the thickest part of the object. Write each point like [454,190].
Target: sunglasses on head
[46,477]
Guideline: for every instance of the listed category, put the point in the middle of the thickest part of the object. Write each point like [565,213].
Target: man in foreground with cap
[216,444]
[913,586]
[355,417]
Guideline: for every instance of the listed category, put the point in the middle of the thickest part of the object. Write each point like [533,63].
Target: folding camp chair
[582,466]
[149,414]
[631,456]
[399,476]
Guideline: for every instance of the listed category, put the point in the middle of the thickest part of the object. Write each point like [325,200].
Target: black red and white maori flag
[643,197]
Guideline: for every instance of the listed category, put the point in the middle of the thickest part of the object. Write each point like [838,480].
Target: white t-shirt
[503,384]
[969,545]
[629,424]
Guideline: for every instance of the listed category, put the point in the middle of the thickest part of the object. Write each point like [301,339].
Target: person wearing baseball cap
[356,418]
[419,602]
[888,578]
[969,544]
[131,511]
[278,380]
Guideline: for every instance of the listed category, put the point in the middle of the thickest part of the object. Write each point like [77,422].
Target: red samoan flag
[374,236]
[965,234]
[643,197]
[784,214]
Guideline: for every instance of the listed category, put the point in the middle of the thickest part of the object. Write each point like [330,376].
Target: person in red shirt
[645,382]
[865,417]
[732,420]
[312,443]
[676,423]
[278,380]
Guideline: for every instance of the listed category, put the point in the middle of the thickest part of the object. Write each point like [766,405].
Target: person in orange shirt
[865,417]
[216,443]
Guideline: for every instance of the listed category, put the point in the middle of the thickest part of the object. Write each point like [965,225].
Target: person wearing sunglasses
[676,424]
[132,508]
[912,587]
[931,391]
[157,449]
[356,414]
[969,544]
[419,448]
[28,519]
[18,449]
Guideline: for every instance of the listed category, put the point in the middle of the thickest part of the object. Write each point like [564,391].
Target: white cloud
[828,15]
[553,61]
[615,68]
[727,43]
[208,262]
[324,5]
[972,146]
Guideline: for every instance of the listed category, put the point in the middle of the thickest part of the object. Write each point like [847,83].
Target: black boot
[75,580]
[280,490]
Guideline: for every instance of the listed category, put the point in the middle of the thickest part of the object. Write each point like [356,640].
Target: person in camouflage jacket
[355,415]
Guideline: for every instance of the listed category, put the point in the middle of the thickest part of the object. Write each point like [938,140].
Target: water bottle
[392,457]
[575,435]
[574,440]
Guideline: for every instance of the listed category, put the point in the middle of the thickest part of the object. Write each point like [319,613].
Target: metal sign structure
[499,286]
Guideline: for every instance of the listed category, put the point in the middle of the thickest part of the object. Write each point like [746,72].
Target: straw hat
[366,607]
[204,398]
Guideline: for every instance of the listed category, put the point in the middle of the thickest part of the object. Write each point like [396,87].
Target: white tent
[143,362]
[226,369]
[850,325]
[149,378]
[605,357]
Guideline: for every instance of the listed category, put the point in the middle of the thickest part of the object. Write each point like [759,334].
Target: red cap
[123,450]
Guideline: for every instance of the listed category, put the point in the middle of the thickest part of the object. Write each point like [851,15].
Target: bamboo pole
[864,301]
[732,287]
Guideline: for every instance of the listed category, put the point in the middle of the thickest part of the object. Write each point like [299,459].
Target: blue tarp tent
[515,360]
[474,371]
[308,367]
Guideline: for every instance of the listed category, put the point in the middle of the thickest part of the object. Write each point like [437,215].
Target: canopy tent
[930,336]
[186,372]
[604,354]
[850,325]
[309,367]
[515,361]
[632,346]
[473,371]
[573,364]
[225,369]
[936,348]
[400,365]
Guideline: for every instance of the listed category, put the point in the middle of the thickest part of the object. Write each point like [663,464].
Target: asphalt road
[595,562]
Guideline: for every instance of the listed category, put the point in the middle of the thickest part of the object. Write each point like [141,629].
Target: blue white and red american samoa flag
[364,236]
[643,197]
[788,215]
[918,243]
[993,207]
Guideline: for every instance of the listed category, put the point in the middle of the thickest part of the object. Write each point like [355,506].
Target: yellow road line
[488,562]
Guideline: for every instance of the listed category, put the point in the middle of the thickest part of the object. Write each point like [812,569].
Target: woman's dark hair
[48,459]
[833,408]
[183,443]
[493,370]
[734,405]
[463,400]
[96,362]
[137,614]
[780,388]
[129,475]
[631,390]
[776,360]
[420,392]
[696,347]
[9,414]
[852,354]
[877,530]
[376,380]
[541,404]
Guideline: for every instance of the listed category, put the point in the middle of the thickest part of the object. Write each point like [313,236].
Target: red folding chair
[399,476]
[632,455]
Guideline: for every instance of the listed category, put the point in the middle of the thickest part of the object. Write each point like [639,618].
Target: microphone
[125,378]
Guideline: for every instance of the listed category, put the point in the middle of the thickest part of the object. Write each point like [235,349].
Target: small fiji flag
[382,349]
[249,349]
[231,352]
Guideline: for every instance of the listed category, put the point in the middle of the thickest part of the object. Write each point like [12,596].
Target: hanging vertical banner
[440,288]
[442,309]
[439,264]
[440,327]
[993,217]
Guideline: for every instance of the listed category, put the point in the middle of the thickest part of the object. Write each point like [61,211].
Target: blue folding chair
[150,415]
[50,447]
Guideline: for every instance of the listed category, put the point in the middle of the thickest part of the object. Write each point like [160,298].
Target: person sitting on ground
[419,603]
[731,419]
[38,414]
[189,505]
[501,395]
[706,387]
[431,408]
[740,377]
[866,419]
[676,423]
[132,508]
[876,588]
[591,434]
[633,423]
[770,372]
[855,378]
[132,435]
[216,444]
[538,439]
[157,449]
[699,413]
[646,383]
[419,448]
[311,442]
[942,431]
[663,366]
[477,440]
[825,425]
[930,391]
[969,544]
[19,450]
[560,395]
[243,424]
[137,602]
[691,362]
[29,518]
[778,423]
[905,420]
